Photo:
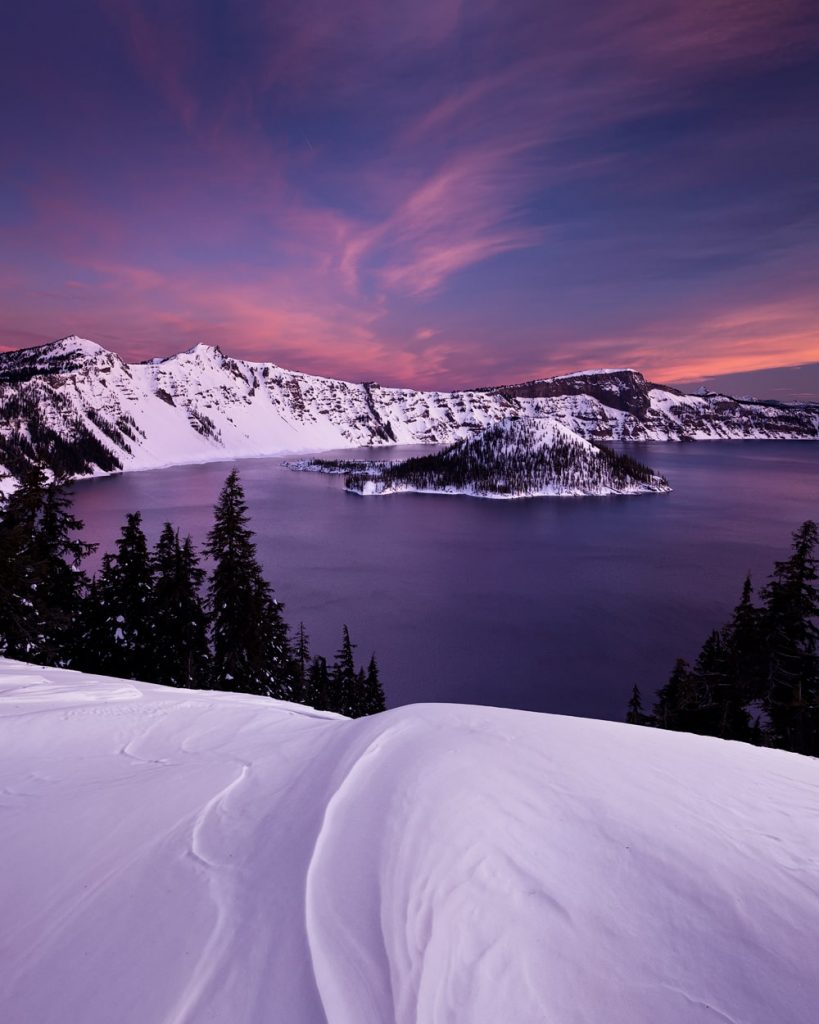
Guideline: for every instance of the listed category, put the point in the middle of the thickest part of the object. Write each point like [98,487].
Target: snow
[534,434]
[201,406]
[596,373]
[180,856]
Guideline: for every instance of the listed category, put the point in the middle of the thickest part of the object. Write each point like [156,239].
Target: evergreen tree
[41,582]
[94,650]
[708,693]
[358,699]
[791,603]
[763,660]
[179,640]
[746,656]
[317,690]
[126,586]
[59,556]
[635,715]
[343,679]
[673,698]
[374,701]
[248,633]
[194,664]
[22,631]
[301,665]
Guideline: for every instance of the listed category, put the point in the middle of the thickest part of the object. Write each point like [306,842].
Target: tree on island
[250,649]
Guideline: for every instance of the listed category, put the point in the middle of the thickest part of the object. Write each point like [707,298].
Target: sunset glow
[427,193]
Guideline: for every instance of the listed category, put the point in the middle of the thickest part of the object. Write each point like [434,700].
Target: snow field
[175,856]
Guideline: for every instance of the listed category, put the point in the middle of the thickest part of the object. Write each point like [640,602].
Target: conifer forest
[157,614]
[756,678]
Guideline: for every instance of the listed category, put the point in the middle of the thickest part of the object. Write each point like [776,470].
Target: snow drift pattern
[180,856]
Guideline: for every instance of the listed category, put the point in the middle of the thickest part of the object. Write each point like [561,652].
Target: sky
[427,192]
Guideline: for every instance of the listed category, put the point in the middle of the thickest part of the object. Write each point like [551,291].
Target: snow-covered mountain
[84,410]
[185,856]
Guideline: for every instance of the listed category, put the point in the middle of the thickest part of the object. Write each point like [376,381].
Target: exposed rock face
[82,410]
[626,390]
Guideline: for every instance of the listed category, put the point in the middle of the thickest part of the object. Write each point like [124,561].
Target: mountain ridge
[82,410]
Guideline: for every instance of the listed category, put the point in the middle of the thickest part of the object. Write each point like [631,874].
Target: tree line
[757,678]
[155,614]
[511,458]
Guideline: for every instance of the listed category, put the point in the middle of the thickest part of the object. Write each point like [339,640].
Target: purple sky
[429,193]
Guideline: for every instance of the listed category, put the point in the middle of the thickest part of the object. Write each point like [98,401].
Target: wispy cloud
[388,190]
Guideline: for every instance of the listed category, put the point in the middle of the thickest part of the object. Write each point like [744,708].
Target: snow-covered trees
[516,457]
[143,615]
[40,577]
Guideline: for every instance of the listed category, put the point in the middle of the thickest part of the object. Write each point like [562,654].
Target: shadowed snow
[174,856]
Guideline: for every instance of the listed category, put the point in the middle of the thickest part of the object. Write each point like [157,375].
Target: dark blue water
[549,604]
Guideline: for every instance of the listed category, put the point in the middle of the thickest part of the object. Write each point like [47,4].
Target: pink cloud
[462,214]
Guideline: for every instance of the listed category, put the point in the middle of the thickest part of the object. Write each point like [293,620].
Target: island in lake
[518,458]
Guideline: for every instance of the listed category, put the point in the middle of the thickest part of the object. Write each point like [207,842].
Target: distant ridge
[82,410]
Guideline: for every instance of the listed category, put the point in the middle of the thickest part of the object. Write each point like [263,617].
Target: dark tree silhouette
[250,649]
[373,701]
[757,679]
[180,642]
[791,604]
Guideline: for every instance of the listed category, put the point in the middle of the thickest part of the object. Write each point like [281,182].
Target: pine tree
[673,697]
[60,590]
[179,638]
[708,694]
[791,604]
[301,665]
[117,620]
[194,663]
[21,626]
[635,715]
[248,633]
[41,582]
[374,701]
[95,647]
[743,638]
[343,679]
[317,690]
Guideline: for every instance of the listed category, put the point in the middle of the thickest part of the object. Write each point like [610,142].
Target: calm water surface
[546,604]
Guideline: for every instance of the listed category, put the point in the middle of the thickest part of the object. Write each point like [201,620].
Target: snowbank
[178,856]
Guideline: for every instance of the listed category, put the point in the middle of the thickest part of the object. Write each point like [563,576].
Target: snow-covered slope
[521,458]
[176,856]
[84,410]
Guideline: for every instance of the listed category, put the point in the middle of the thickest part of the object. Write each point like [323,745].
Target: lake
[550,604]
